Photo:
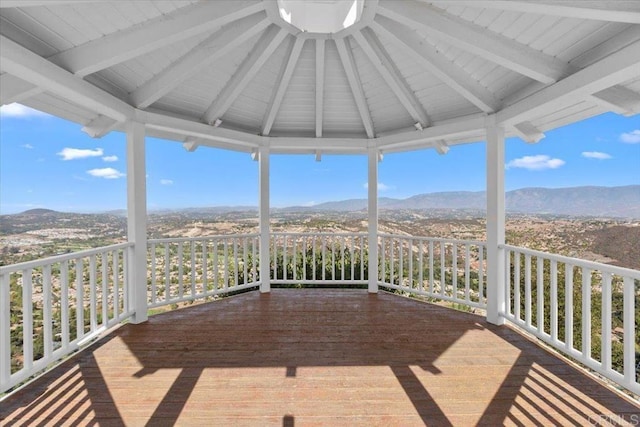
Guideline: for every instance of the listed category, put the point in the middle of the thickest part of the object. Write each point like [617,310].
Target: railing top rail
[434,239]
[621,271]
[61,258]
[201,238]
[321,234]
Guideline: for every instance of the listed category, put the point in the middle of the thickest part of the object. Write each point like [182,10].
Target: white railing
[554,298]
[51,307]
[319,258]
[187,269]
[443,269]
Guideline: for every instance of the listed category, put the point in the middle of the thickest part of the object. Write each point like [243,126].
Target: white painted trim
[372,210]
[319,86]
[619,99]
[100,126]
[14,89]
[528,132]
[351,70]
[265,228]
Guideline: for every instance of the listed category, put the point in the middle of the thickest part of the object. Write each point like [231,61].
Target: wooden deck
[315,357]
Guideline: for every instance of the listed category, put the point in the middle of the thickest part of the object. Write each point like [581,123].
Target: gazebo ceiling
[407,74]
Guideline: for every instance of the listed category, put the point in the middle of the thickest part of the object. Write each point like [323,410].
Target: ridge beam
[473,38]
[245,73]
[141,39]
[381,60]
[207,52]
[437,64]
[349,65]
[319,86]
[284,79]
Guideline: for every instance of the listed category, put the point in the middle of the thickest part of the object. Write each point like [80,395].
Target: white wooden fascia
[38,71]
[14,89]
[437,64]
[475,39]
[283,83]
[127,44]
[245,73]
[319,86]
[528,132]
[349,65]
[619,99]
[610,71]
[207,52]
[612,10]
[381,60]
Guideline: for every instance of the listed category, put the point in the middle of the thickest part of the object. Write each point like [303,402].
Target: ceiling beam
[36,70]
[207,52]
[100,126]
[528,132]
[141,39]
[475,39]
[284,78]
[381,60]
[350,69]
[14,89]
[319,86]
[613,11]
[610,71]
[619,99]
[245,73]
[435,63]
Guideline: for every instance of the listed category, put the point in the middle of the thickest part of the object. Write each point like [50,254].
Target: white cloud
[632,137]
[596,155]
[78,153]
[166,181]
[381,186]
[106,173]
[110,158]
[27,146]
[309,204]
[20,111]
[536,163]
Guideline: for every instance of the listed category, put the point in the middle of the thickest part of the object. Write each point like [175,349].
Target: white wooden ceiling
[234,74]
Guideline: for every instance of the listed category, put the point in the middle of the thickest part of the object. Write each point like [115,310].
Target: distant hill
[575,201]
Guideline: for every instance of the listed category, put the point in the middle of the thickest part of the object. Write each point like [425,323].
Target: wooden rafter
[124,45]
[434,62]
[473,38]
[245,73]
[207,52]
[319,86]
[349,65]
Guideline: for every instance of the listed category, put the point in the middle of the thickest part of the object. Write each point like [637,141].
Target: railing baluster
[5,328]
[236,265]
[382,254]
[254,257]
[205,267]
[454,270]
[421,266]
[481,298]
[430,267]
[64,303]
[410,266]
[400,262]
[443,268]
[527,290]
[215,245]
[105,288]
[606,321]
[629,331]
[226,264]
[568,306]
[47,317]
[508,253]
[313,255]
[353,257]
[342,269]
[540,294]
[27,318]
[93,321]
[193,268]
[586,313]
[154,290]
[116,284]
[79,299]
[516,285]
[324,267]
[180,270]
[554,300]
[333,259]
[167,275]
[362,257]
[245,259]
[467,273]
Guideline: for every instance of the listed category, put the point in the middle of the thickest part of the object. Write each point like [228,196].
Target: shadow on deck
[295,357]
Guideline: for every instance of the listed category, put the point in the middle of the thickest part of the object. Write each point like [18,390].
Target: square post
[137,220]
[265,228]
[496,287]
[373,219]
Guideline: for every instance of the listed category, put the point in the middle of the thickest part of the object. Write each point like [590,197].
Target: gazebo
[353,77]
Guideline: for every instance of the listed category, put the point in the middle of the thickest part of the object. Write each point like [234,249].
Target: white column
[373,220]
[495,222]
[137,220]
[265,229]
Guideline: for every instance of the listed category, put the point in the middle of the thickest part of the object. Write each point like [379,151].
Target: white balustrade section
[319,258]
[555,298]
[51,307]
[187,269]
[443,269]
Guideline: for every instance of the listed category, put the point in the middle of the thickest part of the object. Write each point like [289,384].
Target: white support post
[373,220]
[495,222]
[137,220]
[265,229]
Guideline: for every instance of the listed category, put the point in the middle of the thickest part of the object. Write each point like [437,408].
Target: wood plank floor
[315,357]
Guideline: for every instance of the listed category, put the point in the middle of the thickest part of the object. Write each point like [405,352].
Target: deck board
[315,357]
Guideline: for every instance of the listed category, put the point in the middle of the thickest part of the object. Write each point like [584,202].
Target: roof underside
[234,74]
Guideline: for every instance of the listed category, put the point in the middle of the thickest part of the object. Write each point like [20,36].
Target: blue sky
[50,163]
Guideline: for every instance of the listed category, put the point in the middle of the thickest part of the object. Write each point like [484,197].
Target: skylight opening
[321,16]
